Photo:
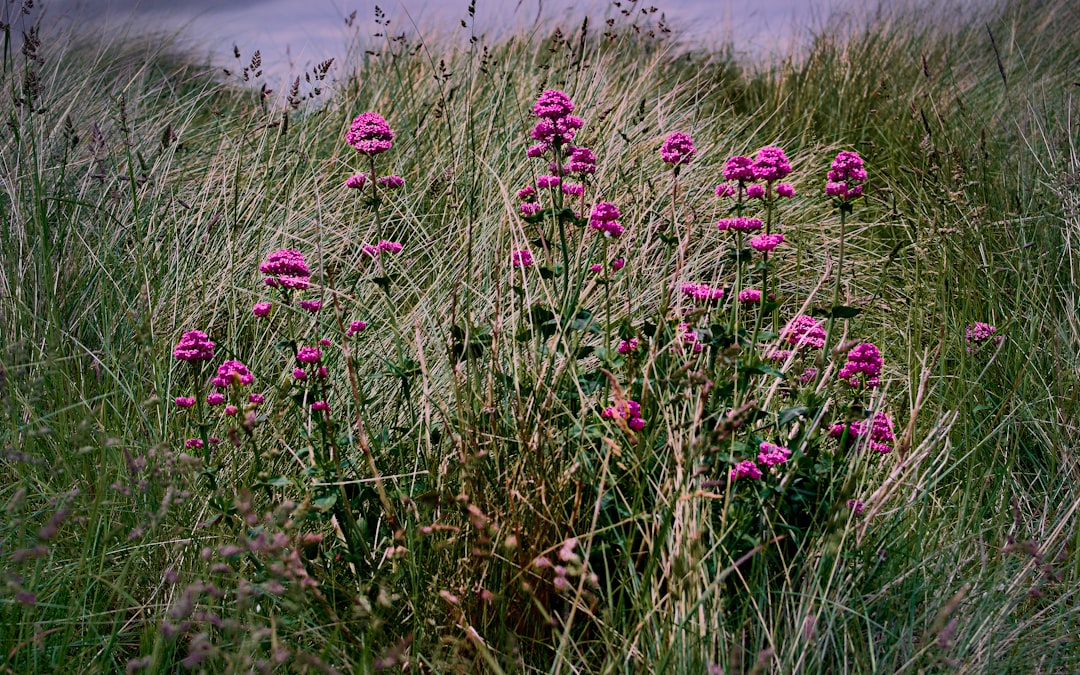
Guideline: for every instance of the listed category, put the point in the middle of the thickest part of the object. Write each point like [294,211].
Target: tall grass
[141,190]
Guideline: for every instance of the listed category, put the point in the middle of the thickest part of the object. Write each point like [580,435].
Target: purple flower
[325,342]
[309,355]
[370,134]
[582,161]
[356,182]
[739,168]
[552,105]
[766,242]
[702,292]
[725,190]
[355,327]
[193,443]
[256,399]
[194,345]
[522,258]
[573,189]
[312,306]
[746,469]
[771,164]
[979,332]
[603,218]
[286,268]
[215,398]
[749,295]
[299,374]
[231,410]
[596,268]
[232,372]
[785,190]
[740,224]
[391,182]
[804,331]
[629,411]
[370,250]
[530,209]
[527,194]
[261,309]
[629,346]
[771,454]
[538,150]
[320,406]
[846,176]
[678,149]
[863,367]
[755,191]
[856,505]
[876,433]
[544,182]
[185,401]
[617,264]
[389,246]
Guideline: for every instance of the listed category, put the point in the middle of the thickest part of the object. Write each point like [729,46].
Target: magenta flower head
[582,161]
[309,355]
[572,189]
[746,469]
[740,224]
[603,218]
[749,295]
[544,182]
[739,168]
[977,333]
[725,190]
[755,191]
[804,331]
[552,105]
[261,309]
[215,398]
[391,182]
[232,372]
[766,242]
[596,268]
[863,367]
[529,209]
[771,454]
[355,327]
[771,164]
[846,176]
[522,258]
[185,401]
[370,134]
[389,246]
[356,182]
[617,264]
[678,149]
[629,346]
[785,190]
[286,268]
[320,406]
[312,306]
[527,194]
[231,410]
[194,345]
[702,292]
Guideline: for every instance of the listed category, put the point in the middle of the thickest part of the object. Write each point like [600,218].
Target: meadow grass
[142,189]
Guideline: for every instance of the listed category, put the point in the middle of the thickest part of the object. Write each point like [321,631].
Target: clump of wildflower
[604,217]
[256,399]
[529,209]
[617,264]
[556,126]
[193,443]
[629,411]
[320,406]
[522,258]
[299,373]
[785,190]
[309,355]
[750,296]
[215,398]
[846,176]
[766,242]
[355,327]
[232,372]
[629,346]
[527,194]
[370,250]
[702,292]
[596,268]
[686,336]
[185,401]
[739,168]
[863,366]
[389,246]
[357,181]
[261,309]
[725,190]
[370,134]
[582,161]
[547,182]
[553,104]
[804,331]
[391,182]
[771,454]
[194,345]
[312,306]
[877,433]
[678,149]
[856,505]
[740,224]
[771,164]
[572,189]
[977,333]
[286,268]
[746,469]
[231,410]
[755,191]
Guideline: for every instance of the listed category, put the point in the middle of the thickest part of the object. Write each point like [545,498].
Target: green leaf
[789,415]
[845,312]
[743,255]
[326,501]
[277,481]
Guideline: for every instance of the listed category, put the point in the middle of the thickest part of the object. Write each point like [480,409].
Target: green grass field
[465,505]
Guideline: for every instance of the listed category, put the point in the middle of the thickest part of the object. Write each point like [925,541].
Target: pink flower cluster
[804,331]
[746,469]
[232,372]
[771,164]
[863,367]
[766,242]
[312,306]
[846,176]
[370,134]
[630,411]
[678,149]
[876,433]
[702,292]
[391,182]
[740,224]
[604,218]
[557,126]
[522,258]
[687,336]
[384,246]
[355,327]
[194,345]
[750,296]
[286,268]
[977,333]
[261,309]
[548,182]
[771,455]
[356,182]
[582,161]
[629,346]
[739,168]
[309,355]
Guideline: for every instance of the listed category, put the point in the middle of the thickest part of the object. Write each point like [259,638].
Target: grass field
[489,484]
